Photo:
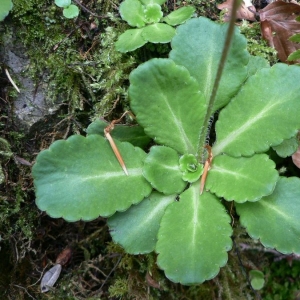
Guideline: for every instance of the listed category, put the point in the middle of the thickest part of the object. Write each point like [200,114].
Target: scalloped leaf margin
[275,218]
[194,237]
[247,125]
[80,178]
[136,229]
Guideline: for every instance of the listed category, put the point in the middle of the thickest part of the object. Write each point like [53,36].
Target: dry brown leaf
[278,24]
[296,158]
[64,257]
[245,11]
[151,281]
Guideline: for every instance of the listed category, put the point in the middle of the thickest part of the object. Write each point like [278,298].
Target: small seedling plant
[151,26]
[70,10]
[175,198]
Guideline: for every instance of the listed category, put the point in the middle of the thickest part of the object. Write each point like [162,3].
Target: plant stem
[227,44]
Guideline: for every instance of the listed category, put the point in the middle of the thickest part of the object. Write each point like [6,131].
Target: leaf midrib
[186,141]
[218,148]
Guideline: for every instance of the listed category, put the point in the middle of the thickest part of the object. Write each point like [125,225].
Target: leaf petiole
[107,131]
[206,168]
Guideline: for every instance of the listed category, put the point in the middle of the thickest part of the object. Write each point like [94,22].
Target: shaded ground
[70,74]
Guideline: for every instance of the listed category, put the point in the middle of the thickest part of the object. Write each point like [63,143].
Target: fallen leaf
[50,278]
[64,257]
[296,158]
[278,23]
[151,281]
[245,12]
[22,161]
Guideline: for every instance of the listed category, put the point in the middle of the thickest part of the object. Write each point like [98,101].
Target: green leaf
[242,179]
[287,147]
[295,38]
[153,13]
[158,33]
[130,40]
[198,46]
[188,162]
[193,176]
[179,16]
[160,2]
[256,63]
[194,237]
[132,134]
[257,279]
[5,151]
[5,154]
[5,7]
[136,229]
[275,218]
[192,170]
[294,56]
[174,104]
[80,178]
[2,177]
[161,169]
[264,113]
[132,12]
[71,11]
[62,3]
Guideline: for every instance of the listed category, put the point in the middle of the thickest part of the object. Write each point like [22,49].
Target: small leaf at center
[161,169]
[153,13]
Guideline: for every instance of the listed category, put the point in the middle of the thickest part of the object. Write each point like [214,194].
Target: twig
[279,256]
[243,268]
[65,38]
[11,81]
[87,10]
[21,287]
[112,270]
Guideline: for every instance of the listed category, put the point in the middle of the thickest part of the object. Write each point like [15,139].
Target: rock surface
[31,103]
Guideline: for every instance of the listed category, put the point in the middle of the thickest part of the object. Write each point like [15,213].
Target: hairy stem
[226,47]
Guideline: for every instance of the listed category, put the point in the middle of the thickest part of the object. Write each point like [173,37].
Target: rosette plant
[160,206]
[70,10]
[152,27]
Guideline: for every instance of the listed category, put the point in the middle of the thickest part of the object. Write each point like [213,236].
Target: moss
[204,8]
[138,277]
[112,72]
[256,45]
[79,64]
[282,279]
